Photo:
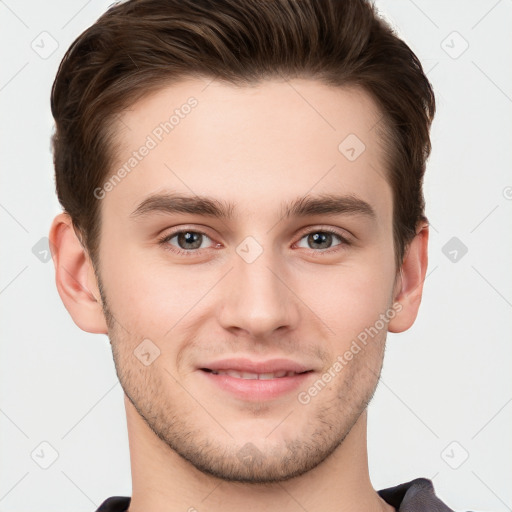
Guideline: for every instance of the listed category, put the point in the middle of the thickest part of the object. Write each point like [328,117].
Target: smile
[254,376]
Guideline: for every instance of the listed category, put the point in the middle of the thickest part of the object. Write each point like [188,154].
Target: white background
[447,379]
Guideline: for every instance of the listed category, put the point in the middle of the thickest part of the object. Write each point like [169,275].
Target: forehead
[252,144]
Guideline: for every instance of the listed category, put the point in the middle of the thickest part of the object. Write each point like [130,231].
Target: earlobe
[75,278]
[409,291]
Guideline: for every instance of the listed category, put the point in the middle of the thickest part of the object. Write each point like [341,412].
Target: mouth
[251,380]
[255,376]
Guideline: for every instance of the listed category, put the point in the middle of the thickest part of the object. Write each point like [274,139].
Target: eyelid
[164,239]
[336,250]
[344,234]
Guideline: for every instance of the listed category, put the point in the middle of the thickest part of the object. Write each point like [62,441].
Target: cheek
[149,297]
[348,298]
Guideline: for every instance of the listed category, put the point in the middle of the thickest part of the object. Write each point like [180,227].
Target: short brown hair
[139,46]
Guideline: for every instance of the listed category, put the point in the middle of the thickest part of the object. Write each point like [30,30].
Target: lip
[256,389]
[240,364]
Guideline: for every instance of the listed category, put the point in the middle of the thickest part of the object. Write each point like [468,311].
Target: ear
[75,278]
[409,285]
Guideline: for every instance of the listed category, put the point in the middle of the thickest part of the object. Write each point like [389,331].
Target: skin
[256,147]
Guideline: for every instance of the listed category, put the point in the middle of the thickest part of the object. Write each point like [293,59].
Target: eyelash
[193,252]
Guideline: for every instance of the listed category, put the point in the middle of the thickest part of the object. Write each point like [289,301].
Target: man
[243,215]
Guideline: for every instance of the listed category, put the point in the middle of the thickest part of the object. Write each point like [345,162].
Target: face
[248,317]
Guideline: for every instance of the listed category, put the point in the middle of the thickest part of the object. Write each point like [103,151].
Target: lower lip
[256,389]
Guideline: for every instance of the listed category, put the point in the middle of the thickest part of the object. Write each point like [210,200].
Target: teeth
[232,373]
[244,375]
[254,376]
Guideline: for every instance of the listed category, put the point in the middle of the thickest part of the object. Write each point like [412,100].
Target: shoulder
[115,504]
[418,495]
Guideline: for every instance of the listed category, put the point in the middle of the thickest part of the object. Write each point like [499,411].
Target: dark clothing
[415,496]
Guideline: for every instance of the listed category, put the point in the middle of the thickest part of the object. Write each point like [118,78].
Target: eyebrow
[324,204]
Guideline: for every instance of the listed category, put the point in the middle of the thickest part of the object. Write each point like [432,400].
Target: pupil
[190,238]
[321,239]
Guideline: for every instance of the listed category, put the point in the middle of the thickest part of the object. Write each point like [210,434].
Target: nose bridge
[257,299]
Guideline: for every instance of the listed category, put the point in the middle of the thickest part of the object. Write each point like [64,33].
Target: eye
[189,242]
[186,242]
[322,239]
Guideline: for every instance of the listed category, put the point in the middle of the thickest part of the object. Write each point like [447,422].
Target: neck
[164,482]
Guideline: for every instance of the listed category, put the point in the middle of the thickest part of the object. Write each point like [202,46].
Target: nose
[257,299]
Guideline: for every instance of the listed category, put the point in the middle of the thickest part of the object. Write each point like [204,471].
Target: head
[314,120]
